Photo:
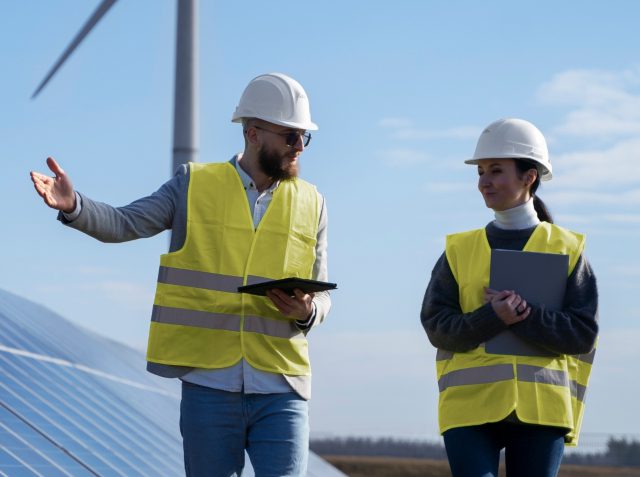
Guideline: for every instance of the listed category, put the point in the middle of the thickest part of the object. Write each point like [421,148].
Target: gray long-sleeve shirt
[167,209]
[572,330]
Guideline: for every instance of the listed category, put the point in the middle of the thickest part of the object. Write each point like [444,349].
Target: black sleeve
[574,329]
[442,318]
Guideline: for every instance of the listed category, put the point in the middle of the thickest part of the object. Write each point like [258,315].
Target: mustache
[276,165]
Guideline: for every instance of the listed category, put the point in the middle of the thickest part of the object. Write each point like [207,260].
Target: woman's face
[500,185]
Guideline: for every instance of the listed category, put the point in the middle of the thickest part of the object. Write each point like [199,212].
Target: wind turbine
[185,106]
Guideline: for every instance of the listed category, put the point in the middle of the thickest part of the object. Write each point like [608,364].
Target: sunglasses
[291,138]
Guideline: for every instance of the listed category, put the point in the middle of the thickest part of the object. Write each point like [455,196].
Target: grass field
[356,466]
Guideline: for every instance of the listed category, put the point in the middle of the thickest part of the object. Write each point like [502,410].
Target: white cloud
[403,128]
[602,105]
[617,349]
[601,224]
[570,197]
[89,270]
[573,218]
[457,133]
[626,270]
[602,109]
[623,218]
[128,293]
[447,187]
[131,293]
[600,170]
[404,157]
[608,104]
[395,123]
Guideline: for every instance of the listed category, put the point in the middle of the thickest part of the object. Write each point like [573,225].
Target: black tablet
[287,285]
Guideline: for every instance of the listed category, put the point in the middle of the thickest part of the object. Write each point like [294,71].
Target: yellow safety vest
[199,318]
[477,387]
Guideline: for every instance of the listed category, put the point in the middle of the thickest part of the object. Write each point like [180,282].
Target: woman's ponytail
[541,209]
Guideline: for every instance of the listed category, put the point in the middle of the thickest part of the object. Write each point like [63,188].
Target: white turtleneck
[523,216]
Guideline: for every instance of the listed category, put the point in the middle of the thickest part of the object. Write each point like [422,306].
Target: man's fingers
[37,177]
[300,295]
[40,185]
[296,307]
[37,183]
[275,296]
[54,167]
[280,294]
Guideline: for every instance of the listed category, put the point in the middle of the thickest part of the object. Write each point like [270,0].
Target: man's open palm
[57,191]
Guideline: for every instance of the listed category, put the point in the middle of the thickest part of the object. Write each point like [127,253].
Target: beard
[276,165]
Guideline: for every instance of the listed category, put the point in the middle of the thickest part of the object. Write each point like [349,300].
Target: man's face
[278,164]
[277,159]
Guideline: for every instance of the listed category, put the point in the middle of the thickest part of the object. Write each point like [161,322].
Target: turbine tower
[185,99]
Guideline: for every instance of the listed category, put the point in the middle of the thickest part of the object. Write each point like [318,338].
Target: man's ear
[250,133]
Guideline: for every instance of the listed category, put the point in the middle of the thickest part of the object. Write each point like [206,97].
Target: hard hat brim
[310,126]
[545,173]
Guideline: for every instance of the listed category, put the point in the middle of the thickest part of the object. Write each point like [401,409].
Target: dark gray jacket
[573,330]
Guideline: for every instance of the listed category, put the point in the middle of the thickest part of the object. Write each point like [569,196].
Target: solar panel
[73,403]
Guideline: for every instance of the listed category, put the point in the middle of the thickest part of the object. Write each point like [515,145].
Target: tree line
[619,452]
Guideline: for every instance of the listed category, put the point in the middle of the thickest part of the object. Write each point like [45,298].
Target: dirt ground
[355,466]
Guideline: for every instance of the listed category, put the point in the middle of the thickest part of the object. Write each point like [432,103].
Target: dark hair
[522,166]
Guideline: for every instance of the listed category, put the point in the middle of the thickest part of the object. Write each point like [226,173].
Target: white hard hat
[275,98]
[513,138]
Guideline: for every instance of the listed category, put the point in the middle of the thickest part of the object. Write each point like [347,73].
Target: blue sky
[400,90]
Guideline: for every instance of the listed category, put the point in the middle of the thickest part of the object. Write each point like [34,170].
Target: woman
[530,403]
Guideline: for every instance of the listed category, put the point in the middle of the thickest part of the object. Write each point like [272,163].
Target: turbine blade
[88,26]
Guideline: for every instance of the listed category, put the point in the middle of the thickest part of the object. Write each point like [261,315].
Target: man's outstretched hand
[57,192]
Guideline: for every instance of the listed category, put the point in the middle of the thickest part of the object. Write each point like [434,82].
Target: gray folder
[541,278]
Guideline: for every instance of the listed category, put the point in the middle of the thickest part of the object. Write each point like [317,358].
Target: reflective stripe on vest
[199,319]
[578,391]
[547,390]
[197,279]
[209,281]
[503,372]
[220,321]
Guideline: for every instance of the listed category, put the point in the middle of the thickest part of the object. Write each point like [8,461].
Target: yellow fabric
[221,239]
[579,371]
[469,257]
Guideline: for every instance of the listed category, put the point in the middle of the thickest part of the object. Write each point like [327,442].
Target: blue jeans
[530,451]
[217,426]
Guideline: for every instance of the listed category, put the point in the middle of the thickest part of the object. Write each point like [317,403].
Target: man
[242,359]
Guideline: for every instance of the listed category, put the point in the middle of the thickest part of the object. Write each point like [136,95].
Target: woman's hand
[508,305]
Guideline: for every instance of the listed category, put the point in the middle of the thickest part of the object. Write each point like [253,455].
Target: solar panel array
[73,403]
